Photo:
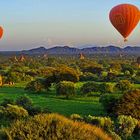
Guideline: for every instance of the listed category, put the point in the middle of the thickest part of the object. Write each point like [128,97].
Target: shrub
[65,88]
[126,126]
[127,69]
[36,86]
[54,127]
[124,85]
[137,129]
[109,101]
[93,94]
[27,103]
[106,88]
[3,135]
[87,76]
[12,112]
[7,101]
[24,101]
[114,136]
[34,110]
[64,73]
[27,78]
[96,87]
[14,76]
[136,79]
[115,67]
[111,76]
[76,117]
[129,104]
[96,69]
[49,77]
[104,122]
[90,87]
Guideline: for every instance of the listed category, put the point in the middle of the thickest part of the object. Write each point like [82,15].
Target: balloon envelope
[124,18]
[1,32]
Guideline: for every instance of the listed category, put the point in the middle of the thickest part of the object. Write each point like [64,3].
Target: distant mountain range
[66,50]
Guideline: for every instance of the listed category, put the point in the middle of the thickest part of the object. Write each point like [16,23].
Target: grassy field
[78,105]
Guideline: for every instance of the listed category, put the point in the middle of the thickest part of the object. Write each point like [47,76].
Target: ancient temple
[15,59]
[22,58]
[82,57]
[45,56]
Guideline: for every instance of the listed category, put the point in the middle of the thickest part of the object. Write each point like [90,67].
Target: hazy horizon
[34,23]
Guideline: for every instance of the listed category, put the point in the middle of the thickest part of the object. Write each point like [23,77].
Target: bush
[127,69]
[34,110]
[65,88]
[129,104]
[104,122]
[96,69]
[64,73]
[27,103]
[53,127]
[136,79]
[106,88]
[36,86]
[3,135]
[137,129]
[27,78]
[111,77]
[109,102]
[12,112]
[126,126]
[76,117]
[114,136]
[90,87]
[24,101]
[14,77]
[124,85]
[87,76]
[7,101]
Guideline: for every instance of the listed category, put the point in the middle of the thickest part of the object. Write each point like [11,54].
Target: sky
[32,23]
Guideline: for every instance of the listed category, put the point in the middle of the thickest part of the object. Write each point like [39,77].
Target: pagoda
[82,57]
[22,58]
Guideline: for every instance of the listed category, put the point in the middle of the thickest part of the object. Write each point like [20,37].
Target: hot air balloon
[1,32]
[124,18]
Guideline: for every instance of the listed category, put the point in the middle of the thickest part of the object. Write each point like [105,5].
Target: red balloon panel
[124,18]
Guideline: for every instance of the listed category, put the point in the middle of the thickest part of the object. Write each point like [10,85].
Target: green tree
[90,87]
[126,67]
[124,85]
[64,73]
[129,104]
[109,102]
[106,88]
[66,88]
[126,126]
[24,101]
[39,85]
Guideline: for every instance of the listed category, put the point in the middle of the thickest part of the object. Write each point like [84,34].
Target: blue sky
[32,23]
